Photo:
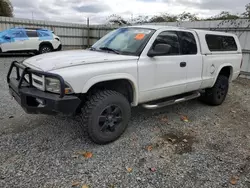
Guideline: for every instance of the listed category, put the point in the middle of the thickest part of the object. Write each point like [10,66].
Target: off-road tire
[217,94]
[95,105]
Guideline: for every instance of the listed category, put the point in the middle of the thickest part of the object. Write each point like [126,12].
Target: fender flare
[109,77]
[219,70]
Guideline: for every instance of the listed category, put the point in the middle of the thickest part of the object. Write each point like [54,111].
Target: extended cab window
[221,43]
[188,43]
[169,38]
[32,33]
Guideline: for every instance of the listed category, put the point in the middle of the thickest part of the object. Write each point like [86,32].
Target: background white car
[29,40]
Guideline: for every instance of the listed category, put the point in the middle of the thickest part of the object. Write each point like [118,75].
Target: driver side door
[164,75]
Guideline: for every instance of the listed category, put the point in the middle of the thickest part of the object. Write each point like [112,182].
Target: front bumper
[35,101]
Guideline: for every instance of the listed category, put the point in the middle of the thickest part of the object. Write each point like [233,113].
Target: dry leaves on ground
[85,154]
[149,148]
[85,186]
[75,183]
[234,180]
[129,169]
[88,155]
[164,119]
[184,118]
[112,186]
[152,169]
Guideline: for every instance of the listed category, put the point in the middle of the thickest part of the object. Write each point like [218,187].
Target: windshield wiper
[109,49]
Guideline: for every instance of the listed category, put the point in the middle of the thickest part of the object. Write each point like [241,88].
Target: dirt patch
[182,142]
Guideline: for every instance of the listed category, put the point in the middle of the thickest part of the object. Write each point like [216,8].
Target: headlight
[53,85]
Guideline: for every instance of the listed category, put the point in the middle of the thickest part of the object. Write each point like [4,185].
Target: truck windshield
[126,41]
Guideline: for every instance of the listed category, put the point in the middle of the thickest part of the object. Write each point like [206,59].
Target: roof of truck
[156,27]
[212,32]
[199,31]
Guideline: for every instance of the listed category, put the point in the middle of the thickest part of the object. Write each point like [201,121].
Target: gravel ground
[211,150]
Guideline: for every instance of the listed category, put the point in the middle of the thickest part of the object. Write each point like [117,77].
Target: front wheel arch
[91,83]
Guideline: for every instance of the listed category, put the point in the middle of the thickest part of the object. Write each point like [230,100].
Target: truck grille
[38,81]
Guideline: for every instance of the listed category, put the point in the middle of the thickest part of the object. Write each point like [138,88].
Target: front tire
[217,94]
[106,115]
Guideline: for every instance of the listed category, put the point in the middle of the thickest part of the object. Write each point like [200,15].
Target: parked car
[152,66]
[38,41]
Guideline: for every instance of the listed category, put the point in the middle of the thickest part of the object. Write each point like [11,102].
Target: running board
[172,101]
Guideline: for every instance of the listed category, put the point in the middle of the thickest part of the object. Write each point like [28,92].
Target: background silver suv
[29,40]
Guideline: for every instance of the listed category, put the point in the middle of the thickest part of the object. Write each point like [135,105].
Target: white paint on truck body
[151,77]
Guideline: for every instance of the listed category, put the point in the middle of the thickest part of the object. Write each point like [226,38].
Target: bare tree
[186,16]
[224,15]
[116,20]
[164,18]
[247,13]
[139,20]
[6,8]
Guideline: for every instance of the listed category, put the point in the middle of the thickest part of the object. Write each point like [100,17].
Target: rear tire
[217,94]
[45,49]
[106,115]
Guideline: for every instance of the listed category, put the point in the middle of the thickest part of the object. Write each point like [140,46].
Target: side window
[18,34]
[32,34]
[188,43]
[221,43]
[43,34]
[169,38]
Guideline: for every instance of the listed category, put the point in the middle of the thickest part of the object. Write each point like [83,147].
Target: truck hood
[63,59]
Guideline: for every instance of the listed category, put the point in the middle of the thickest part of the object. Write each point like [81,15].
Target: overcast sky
[98,10]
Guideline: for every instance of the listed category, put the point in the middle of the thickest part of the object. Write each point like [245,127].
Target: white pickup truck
[152,66]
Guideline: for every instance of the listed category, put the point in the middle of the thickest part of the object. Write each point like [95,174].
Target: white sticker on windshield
[144,31]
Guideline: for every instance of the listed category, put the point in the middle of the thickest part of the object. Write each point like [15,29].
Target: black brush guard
[28,96]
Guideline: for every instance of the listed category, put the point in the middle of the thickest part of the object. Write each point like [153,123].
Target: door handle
[183,64]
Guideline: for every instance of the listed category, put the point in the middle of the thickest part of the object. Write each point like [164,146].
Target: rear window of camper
[221,43]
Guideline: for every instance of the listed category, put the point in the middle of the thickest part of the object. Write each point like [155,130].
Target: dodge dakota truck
[151,66]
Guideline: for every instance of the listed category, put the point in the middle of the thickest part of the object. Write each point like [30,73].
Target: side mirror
[159,50]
